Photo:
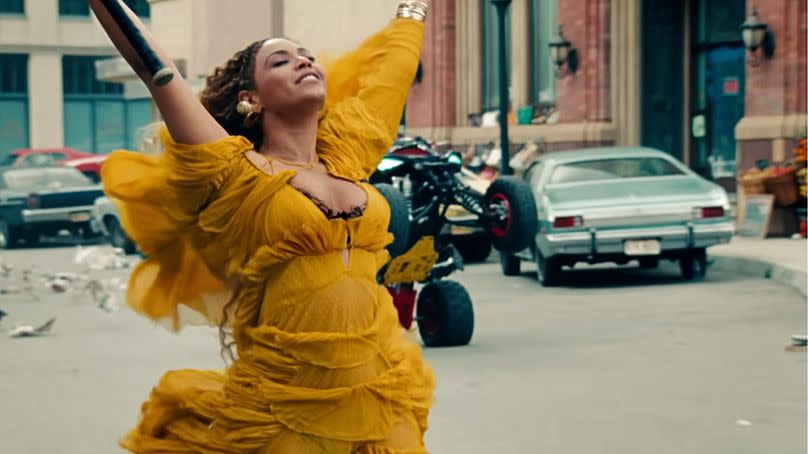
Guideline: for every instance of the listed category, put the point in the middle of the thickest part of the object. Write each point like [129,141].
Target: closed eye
[280,63]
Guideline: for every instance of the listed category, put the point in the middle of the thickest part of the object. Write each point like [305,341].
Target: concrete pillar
[625,70]
[469,58]
[45,105]
[520,53]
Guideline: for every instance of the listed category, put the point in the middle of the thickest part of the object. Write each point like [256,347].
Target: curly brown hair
[220,99]
[220,96]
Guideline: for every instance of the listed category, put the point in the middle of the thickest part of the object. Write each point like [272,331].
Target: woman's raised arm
[186,119]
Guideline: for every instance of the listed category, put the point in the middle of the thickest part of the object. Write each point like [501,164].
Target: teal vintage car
[621,204]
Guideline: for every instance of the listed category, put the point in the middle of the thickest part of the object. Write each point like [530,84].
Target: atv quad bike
[420,187]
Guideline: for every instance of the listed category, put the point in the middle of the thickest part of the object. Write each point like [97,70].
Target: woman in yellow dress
[257,217]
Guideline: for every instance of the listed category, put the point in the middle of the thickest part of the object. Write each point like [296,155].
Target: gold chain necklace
[293,164]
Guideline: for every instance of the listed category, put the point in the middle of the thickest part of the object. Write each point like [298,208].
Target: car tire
[511,265]
[9,236]
[399,219]
[693,264]
[516,232]
[474,248]
[649,263]
[118,237]
[445,314]
[548,270]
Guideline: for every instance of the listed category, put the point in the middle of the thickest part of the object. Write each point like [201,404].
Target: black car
[37,201]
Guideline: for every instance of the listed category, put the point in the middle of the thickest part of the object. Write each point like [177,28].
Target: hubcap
[3,235]
[499,204]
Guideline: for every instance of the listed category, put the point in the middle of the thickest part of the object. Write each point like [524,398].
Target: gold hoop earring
[244,108]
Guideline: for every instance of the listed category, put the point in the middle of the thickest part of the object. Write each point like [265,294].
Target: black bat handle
[160,73]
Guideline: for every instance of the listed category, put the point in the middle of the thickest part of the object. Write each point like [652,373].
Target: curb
[796,279]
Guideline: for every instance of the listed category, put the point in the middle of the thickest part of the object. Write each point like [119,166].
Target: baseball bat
[160,73]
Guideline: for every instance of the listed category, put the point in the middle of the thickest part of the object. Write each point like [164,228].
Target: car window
[37,159]
[534,174]
[58,156]
[611,169]
[36,179]
[8,160]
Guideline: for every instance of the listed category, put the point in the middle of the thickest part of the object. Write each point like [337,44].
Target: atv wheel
[694,264]
[510,202]
[445,314]
[399,219]
[548,270]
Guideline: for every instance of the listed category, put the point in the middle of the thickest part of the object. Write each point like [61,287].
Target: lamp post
[505,163]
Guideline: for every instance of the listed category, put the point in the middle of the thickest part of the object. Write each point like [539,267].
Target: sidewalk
[783,260]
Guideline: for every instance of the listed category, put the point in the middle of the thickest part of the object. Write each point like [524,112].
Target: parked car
[89,166]
[87,163]
[106,221]
[36,201]
[621,204]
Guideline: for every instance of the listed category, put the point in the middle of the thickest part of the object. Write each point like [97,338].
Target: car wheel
[445,314]
[510,201]
[649,263]
[694,264]
[399,219]
[511,265]
[9,237]
[118,237]
[548,270]
[474,248]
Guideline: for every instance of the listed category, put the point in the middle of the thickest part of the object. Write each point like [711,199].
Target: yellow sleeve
[367,90]
[159,200]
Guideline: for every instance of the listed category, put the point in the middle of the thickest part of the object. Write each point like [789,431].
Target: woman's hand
[185,117]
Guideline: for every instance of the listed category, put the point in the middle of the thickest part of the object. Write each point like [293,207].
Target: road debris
[99,258]
[743,423]
[799,343]
[30,331]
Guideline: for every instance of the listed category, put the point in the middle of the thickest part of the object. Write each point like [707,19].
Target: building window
[97,117]
[543,26]
[490,54]
[13,103]
[81,7]
[74,8]
[12,7]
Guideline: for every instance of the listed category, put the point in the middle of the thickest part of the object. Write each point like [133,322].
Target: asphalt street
[615,361]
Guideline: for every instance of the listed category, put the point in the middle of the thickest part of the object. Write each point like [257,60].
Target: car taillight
[568,222]
[32,201]
[709,212]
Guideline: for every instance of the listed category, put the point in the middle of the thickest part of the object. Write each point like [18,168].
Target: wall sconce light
[564,55]
[757,37]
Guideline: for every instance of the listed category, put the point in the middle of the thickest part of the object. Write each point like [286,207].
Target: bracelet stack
[413,9]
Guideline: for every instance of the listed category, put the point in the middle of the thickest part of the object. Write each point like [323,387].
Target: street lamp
[756,35]
[505,163]
[561,51]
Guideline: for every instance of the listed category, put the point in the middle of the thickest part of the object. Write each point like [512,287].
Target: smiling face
[286,77]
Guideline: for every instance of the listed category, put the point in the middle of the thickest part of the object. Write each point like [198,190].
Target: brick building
[672,74]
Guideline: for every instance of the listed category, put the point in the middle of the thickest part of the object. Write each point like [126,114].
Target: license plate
[642,247]
[79,217]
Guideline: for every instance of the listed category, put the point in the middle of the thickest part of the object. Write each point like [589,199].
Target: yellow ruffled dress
[322,366]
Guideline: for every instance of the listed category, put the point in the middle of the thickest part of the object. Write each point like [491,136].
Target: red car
[87,163]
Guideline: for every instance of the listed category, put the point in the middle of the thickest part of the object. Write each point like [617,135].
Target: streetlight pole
[505,163]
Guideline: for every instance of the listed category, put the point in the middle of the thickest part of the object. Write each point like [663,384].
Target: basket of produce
[782,183]
[751,181]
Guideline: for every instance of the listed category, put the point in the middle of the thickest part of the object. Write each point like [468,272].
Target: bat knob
[163,77]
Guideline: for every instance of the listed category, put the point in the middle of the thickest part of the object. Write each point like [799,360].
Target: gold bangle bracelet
[413,9]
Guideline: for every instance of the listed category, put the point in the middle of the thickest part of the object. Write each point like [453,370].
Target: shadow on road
[612,276]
